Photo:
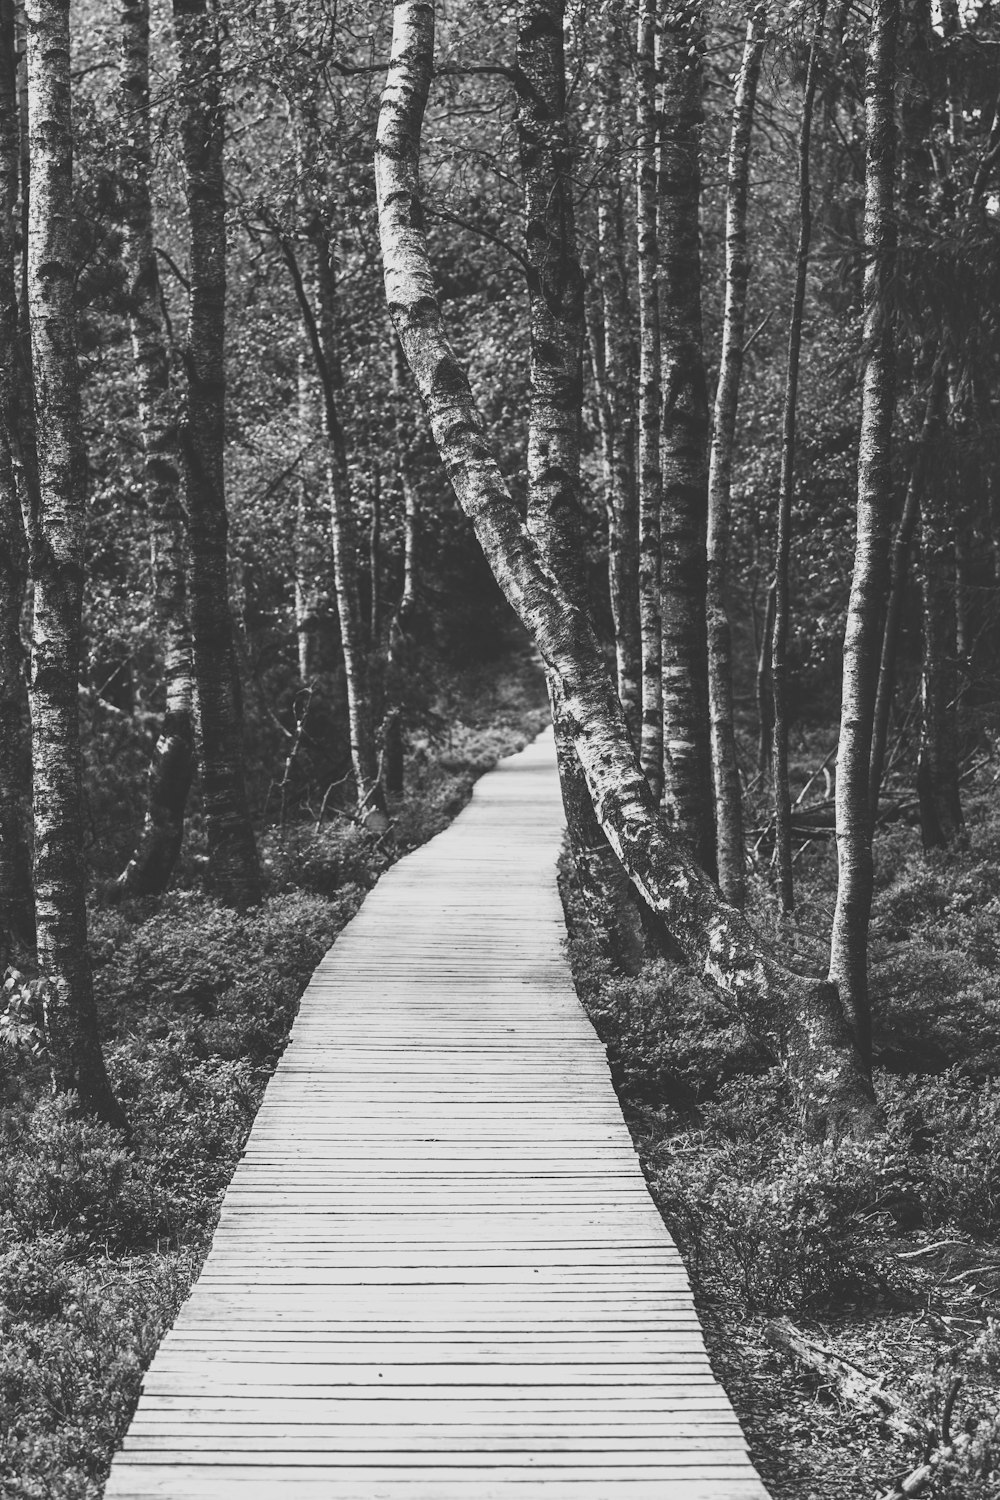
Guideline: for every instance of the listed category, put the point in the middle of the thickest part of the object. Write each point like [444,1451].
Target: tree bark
[899,567]
[172,769]
[74,1047]
[17,907]
[232,850]
[725,769]
[849,944]
[618,430]
[557,335]
[786,492]
[800,1017]
[650,482]
[398,664]
[684,439]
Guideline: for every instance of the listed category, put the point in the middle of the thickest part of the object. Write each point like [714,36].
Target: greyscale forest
[379,384]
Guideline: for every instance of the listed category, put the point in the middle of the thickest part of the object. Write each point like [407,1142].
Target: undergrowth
[101,1238]
[886,1248]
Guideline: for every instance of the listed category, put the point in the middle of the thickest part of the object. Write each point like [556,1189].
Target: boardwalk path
[438,1274]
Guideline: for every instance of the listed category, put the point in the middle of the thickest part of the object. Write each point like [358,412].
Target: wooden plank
[438,1274]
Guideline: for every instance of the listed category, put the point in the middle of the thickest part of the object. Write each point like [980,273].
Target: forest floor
[883,1255]
[100,1240]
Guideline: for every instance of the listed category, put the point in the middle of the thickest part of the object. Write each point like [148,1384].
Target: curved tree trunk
[800,1018]
[232,850]
[684,439]
[849,946]
[557,334]
[725,770]
[650,483]
[74,1046]
[17,907]
[618,407]
[172,769]
[782,595]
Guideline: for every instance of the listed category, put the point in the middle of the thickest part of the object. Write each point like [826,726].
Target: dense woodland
[380,382]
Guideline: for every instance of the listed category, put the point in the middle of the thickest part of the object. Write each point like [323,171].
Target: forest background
[707,297]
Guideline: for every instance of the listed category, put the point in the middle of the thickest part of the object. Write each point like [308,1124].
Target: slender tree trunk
[306,562]
[650,483]
[849,945]
[618,428]
[232,850]
[786,492]
[17,907]
[172,769]
[726,775]
[765,697]
[684,439]
[898,575]
[801,1018]
[398,662]
[555,295]
[74,1046]
[353,637]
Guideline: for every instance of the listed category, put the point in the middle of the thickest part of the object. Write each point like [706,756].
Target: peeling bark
[725,770]
[172,768]
[650,482]
[618,431]
[17,907]
[232,850]
[684,439]
[70,1016]
[849,944]
[557,334]
[800,1018]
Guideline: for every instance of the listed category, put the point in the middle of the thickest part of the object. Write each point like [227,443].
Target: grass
[101,1240]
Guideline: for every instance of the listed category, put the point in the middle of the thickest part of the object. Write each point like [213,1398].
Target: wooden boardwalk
[438,1274]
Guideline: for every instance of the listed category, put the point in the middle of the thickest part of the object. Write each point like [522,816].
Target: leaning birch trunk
[650,485]
[557,335]
[17,907]
[684,439]
[800,1018]
[782,593]
[232,850]
[618,427]
[862,636]
[74,1047]
[725,769]
[171,772]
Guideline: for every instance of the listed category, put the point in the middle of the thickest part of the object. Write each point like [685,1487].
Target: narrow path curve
[438,1274]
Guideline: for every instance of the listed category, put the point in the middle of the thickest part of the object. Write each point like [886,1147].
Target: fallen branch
[849,1382]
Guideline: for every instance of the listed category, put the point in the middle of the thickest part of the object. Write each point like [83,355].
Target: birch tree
[725,770]
[650,483]
[557,336]
[232,849]
[617,397]
[684,437]
[70,1017]
[17,916]
[171,772]
[782,592]
[801,1018]
[862,636]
